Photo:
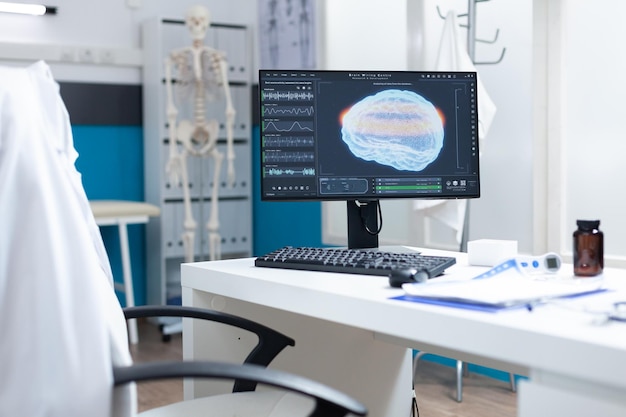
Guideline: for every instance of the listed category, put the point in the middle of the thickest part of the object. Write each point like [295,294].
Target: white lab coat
[452,56]
[61,325]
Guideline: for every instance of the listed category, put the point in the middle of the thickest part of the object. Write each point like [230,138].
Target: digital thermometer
[550,263]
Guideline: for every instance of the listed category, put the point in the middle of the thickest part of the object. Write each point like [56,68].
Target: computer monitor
[365,136]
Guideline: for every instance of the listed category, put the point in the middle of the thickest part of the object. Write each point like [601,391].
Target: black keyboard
[352,261]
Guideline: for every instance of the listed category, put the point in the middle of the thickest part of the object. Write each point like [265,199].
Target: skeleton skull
[197,20]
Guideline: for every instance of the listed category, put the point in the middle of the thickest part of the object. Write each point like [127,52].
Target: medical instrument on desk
[549,263]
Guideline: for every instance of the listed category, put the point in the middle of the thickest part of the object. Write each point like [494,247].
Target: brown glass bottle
[588,248]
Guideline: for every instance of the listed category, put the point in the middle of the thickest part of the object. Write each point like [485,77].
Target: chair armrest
[328,401]
[269,345]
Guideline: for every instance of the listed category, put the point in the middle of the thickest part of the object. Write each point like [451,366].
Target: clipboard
[502,287]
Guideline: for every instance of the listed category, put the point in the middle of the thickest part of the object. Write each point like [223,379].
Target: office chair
[327,401]
[65,347]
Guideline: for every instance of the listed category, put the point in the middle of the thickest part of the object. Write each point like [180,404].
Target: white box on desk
[489,252]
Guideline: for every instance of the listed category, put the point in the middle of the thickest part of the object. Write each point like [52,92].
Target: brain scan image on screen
[397,128]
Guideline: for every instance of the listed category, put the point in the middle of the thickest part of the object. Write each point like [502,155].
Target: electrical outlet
[107,56]
[86,55]
[68,54]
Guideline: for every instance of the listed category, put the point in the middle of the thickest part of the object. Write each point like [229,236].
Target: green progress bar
[407,187]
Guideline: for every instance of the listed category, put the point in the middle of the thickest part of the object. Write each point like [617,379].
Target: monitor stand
[363,224]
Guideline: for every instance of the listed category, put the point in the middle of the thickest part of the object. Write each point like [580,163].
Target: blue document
[501,287]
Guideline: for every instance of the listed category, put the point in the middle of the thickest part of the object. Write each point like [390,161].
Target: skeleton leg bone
[213,225]
[230,151]
[189,224]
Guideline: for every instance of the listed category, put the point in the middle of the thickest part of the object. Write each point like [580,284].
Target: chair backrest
[63,329]
[62,326]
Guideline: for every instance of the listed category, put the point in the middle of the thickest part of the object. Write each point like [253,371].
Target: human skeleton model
[201,72]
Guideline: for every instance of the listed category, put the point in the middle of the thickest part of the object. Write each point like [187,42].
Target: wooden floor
[150,348]
[434,388]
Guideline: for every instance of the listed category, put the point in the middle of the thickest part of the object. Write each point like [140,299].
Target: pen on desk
[530,306]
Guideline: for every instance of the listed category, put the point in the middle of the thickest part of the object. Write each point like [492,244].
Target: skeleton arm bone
[174,165]
[230,121]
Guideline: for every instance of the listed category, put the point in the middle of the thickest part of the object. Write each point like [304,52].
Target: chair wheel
[166,338]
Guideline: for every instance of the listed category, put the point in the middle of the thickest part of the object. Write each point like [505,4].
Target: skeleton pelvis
[198,138]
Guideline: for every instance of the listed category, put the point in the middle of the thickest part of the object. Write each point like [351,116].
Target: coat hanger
[471,33]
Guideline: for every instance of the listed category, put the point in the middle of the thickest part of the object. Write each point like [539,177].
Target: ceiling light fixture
[25,8]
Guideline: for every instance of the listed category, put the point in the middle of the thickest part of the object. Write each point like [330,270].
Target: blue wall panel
[276,224]
[111,164]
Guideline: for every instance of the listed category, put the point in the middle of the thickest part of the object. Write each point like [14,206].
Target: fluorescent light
[25,8]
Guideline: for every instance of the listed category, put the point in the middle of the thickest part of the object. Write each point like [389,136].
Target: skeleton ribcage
[187,87]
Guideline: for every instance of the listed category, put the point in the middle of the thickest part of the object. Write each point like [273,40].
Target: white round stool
[121,213]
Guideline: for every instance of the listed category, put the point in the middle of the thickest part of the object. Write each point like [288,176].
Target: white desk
[121,213]
[349,334]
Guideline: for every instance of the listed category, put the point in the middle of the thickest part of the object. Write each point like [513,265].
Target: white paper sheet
[503,285]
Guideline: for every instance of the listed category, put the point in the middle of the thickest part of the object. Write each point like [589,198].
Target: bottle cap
[588,224]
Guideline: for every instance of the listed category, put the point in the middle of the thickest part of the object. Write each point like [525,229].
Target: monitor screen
[363,136]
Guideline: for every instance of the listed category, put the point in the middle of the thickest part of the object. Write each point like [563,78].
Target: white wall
[376,34]
[100,25]
[591,134]
[364,34]
[576,124]
[504,210]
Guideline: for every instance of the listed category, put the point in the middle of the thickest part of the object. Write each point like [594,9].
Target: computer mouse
[400,276]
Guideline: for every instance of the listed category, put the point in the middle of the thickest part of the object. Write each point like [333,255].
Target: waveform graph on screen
[287,111]
[298,126]
[288,141]
[286,95]
[270,157]
[289,172]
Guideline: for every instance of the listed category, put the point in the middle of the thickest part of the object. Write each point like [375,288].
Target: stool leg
[513,383]
[416,359]
[459,381]
[128,281]
[461,368]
